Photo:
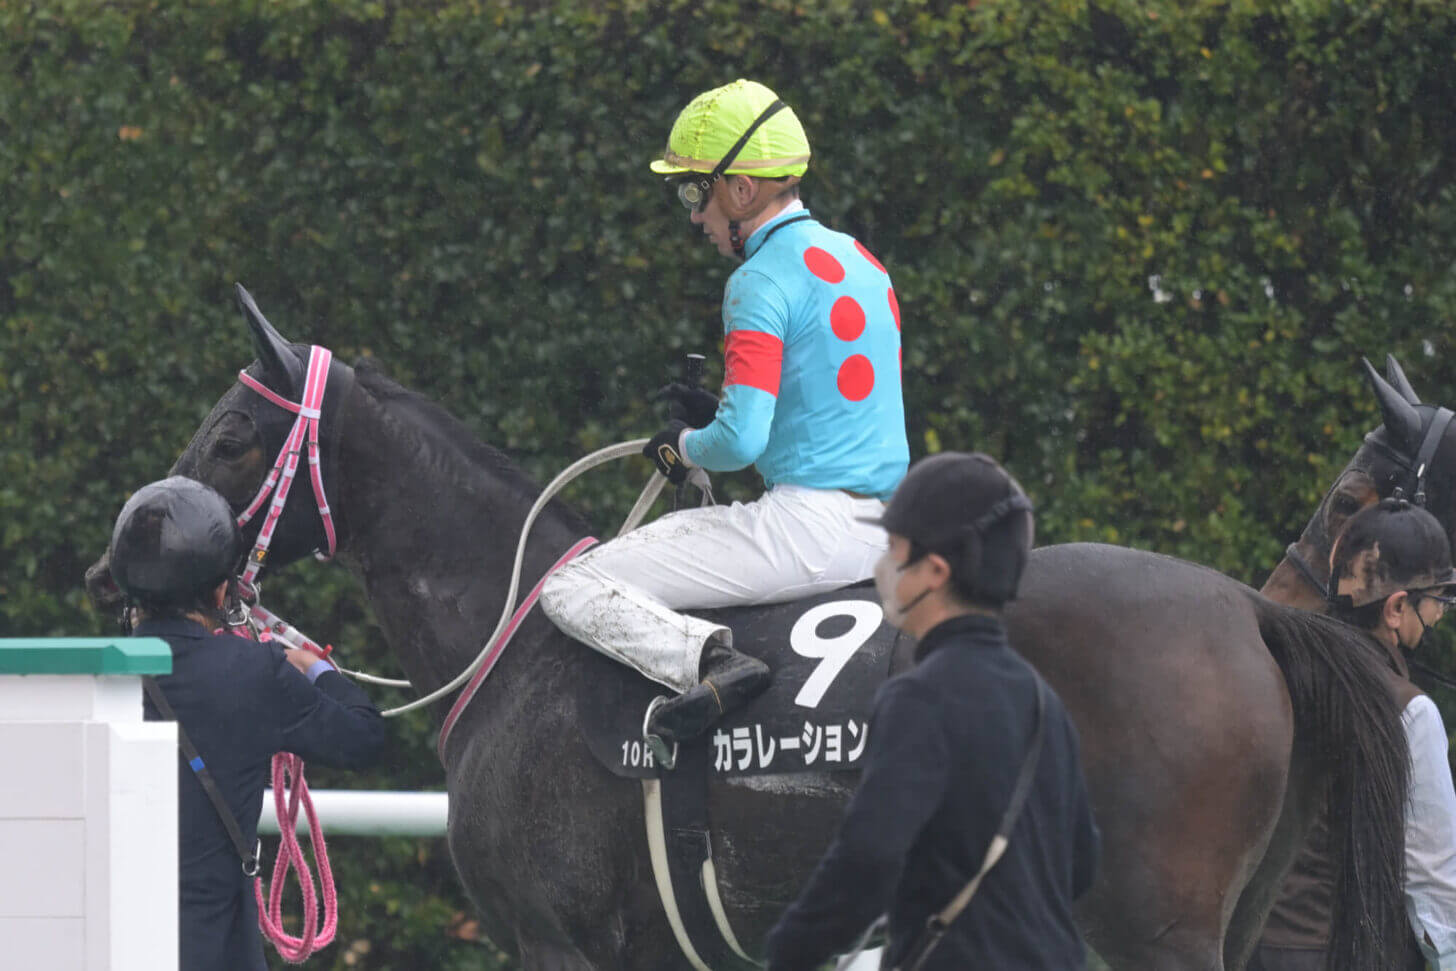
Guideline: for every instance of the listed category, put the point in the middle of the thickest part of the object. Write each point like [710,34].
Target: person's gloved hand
[687,404]
[662,450]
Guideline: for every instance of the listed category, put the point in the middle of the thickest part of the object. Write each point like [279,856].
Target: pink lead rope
[289,769]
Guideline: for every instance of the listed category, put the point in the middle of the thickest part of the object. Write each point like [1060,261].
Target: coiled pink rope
[290,790]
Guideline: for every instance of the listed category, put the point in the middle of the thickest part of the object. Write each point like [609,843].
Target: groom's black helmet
[174,540]
[967,508]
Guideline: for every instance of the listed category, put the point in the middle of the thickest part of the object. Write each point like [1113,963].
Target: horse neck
[431,532]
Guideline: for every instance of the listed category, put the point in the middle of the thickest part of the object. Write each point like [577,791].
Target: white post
[88,808]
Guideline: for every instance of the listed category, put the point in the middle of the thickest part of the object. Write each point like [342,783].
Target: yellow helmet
[708,130]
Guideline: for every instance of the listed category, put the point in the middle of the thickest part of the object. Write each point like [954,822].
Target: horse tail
[1346,718]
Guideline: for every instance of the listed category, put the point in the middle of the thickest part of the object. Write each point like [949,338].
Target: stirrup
[664,756]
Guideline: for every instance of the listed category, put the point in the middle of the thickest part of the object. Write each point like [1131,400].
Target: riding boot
[730,679]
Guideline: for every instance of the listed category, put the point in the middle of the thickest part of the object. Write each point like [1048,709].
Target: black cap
[172,540]
[1389,547]
[965,504]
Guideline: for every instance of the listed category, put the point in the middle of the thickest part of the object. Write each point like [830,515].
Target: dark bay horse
[1197,699]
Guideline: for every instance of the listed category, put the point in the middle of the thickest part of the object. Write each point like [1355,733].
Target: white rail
[347,812]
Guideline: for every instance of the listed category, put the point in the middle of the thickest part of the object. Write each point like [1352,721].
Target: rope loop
[290,791]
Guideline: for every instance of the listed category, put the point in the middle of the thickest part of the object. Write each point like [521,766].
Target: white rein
[577,468]
[280,479]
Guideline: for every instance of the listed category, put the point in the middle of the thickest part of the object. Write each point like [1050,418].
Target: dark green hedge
[1139,249]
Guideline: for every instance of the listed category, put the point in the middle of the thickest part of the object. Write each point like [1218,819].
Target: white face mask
[887,578]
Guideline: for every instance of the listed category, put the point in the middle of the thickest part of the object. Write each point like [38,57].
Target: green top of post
[84,655]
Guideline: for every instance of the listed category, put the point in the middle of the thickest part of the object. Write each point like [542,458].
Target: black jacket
[240,702]
[947,739]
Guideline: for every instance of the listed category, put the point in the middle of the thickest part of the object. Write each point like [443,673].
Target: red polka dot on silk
[870,256]
[847,318]
[856,378]
[822,265]
[895,308]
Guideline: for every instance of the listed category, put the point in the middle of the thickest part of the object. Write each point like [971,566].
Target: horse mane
[442,441]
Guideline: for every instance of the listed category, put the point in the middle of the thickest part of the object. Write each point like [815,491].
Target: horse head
[1411,454]
[235,447]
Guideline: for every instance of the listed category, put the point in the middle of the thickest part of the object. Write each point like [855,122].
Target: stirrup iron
[664,756]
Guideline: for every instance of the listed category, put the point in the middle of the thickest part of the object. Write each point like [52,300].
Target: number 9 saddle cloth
[828,653]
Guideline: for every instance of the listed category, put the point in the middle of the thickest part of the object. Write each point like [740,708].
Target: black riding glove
[693,406]
[662,450]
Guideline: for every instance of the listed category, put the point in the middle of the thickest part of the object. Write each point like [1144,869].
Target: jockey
[811,397]
[1391,576]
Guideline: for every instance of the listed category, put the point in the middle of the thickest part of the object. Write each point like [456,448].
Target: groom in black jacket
[174,549]
[947,741]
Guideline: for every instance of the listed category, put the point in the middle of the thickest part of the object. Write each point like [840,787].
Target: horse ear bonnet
[283,371]
[1402,421]
[172,540]
[1386,548]
[967,508]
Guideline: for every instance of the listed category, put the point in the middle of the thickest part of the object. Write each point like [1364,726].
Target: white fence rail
[348,812]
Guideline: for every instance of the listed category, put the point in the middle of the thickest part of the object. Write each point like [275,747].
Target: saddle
[828,653]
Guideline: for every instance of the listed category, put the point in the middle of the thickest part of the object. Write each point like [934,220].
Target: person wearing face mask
[966,746]
[1390,575]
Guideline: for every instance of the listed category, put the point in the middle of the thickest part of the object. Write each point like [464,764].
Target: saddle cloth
[828,653]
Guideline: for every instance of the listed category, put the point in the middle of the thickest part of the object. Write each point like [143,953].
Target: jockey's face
[715,216]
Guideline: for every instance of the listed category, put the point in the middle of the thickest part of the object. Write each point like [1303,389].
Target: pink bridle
[288,769]
[280,478]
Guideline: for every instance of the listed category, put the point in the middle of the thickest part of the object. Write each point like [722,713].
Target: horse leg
[1186,826]
[553,853]
[1263,890]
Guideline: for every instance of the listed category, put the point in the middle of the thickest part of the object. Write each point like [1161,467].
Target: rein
[1302,567]
[279,482]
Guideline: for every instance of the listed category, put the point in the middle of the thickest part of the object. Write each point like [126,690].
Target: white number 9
[836,651]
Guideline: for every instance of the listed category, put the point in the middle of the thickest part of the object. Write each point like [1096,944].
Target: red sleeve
[754,359]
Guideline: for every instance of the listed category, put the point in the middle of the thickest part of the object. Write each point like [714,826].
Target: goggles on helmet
[693,192]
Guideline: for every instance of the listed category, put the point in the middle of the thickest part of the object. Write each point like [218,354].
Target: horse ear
[1397,379]
[1401,420]
[280,364]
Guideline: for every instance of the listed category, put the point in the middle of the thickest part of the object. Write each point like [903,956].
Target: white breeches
[622,598]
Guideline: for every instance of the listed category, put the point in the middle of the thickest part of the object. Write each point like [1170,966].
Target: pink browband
[525,608]
[280,479]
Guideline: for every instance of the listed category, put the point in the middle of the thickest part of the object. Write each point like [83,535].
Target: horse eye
[229,448]
[1342,505]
